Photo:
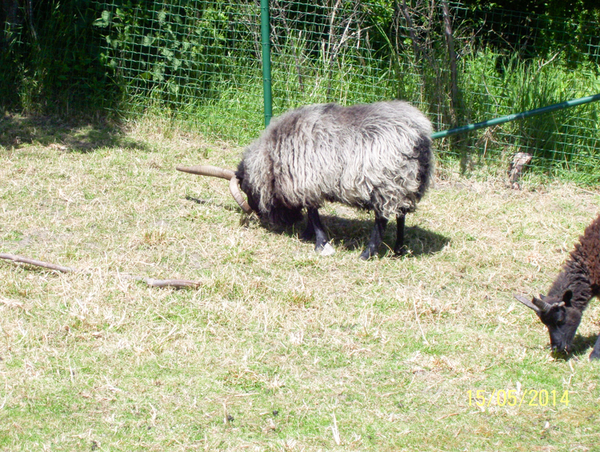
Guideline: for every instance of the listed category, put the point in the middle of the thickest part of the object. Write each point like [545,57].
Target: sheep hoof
[327,250]
[402,251]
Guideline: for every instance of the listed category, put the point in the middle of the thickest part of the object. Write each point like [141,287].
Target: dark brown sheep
[570,293]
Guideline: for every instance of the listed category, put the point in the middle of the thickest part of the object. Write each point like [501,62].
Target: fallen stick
[177,283]
[26,260]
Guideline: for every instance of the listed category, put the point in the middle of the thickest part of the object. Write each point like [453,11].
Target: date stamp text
[524,397]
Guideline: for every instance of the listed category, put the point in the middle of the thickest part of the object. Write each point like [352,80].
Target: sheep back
[581,272]
[585,258]
[374,156]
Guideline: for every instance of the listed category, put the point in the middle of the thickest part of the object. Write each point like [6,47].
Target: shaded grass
[279,349]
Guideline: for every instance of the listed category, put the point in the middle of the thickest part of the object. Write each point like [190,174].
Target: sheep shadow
[581,347]
[353,234]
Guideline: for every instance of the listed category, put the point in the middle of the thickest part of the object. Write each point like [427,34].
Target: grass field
[279,348]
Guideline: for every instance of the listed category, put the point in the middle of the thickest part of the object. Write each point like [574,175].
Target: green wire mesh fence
[197,61]
[200,61]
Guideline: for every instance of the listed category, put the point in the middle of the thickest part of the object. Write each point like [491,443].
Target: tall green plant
[50,59]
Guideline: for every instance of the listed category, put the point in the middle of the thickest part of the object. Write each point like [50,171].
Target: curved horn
[234,188]
[215,171]
[527,303]
[207,170]
[541,304]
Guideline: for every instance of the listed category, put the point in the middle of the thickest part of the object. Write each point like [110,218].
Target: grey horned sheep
[370,156]
[571,291]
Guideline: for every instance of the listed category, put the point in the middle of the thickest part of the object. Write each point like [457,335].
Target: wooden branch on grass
[177,283]
[26,260]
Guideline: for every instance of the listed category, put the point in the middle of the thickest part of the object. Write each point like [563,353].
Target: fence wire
[200,61]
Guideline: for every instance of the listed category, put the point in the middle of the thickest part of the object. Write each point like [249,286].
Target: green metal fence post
[524,114]
[266,60]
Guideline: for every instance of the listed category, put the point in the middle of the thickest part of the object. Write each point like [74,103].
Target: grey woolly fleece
[373,156]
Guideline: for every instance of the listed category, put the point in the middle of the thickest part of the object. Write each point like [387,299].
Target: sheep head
[267,204]
[559,316]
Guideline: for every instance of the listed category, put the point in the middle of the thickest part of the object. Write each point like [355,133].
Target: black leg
[376,238]
[309,232]
[596,351]
[399,248]
[315,227]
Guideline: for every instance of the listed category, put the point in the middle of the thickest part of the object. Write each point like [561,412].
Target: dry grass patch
[279,348]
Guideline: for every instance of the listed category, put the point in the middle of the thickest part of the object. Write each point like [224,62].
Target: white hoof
[327,250]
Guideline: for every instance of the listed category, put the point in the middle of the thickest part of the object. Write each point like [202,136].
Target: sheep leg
[315,228]
[309,231]
[399,248]
[376,238]
[596,351]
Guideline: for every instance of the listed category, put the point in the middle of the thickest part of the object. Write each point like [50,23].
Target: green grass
[279,348]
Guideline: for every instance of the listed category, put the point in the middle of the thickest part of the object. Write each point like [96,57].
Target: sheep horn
[234,188]
[527,303]
[215,171]
[207,170]
[541,304]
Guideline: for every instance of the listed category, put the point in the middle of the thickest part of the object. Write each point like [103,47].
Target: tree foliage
[64,54]
[50,56]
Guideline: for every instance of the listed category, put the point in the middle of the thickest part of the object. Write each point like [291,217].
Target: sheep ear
[567,296]
[527,303]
